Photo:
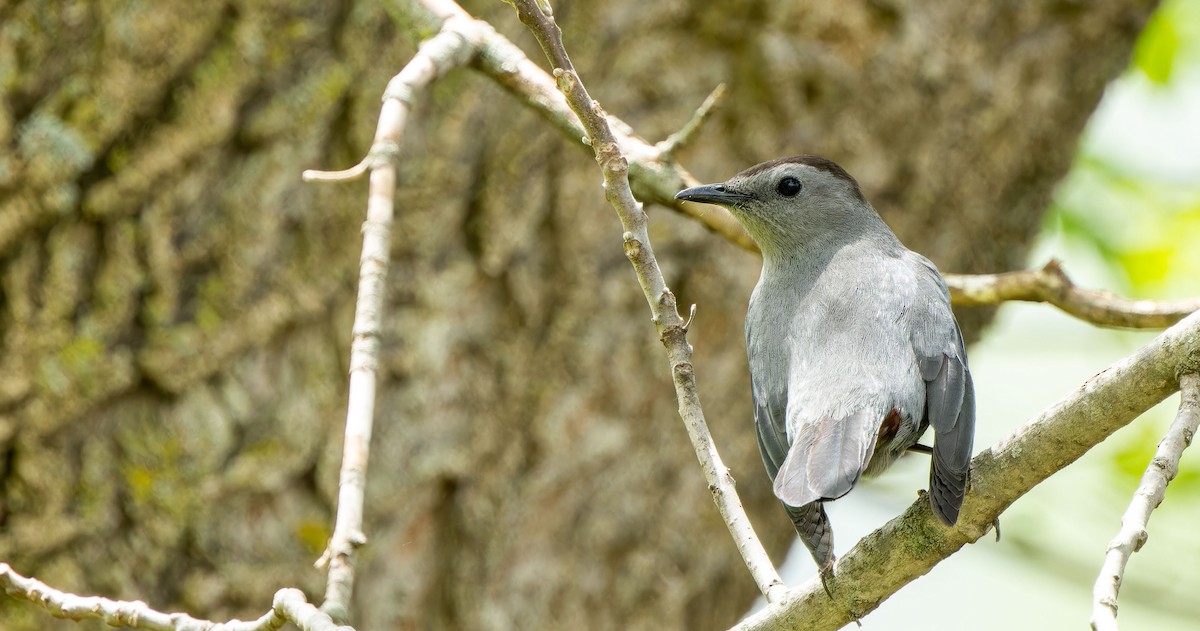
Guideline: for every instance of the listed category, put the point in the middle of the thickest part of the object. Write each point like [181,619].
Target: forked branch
[289,606]
[671,327]
[1150,493]
[454,46]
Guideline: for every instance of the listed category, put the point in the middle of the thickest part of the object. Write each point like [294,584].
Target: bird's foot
[996,525]
[826,574]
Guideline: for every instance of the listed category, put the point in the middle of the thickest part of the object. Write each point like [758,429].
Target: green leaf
[1158,46]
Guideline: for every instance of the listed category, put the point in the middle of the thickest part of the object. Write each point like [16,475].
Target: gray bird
[852,346]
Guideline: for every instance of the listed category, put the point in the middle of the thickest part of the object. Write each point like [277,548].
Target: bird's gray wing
[809,518]
[770,418]
[949,401]
[950,408]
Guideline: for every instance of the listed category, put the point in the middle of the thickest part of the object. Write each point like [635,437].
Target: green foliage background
[1146,225]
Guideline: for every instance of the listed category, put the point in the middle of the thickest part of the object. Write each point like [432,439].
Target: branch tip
[674,142]
[345,175]
[691,315]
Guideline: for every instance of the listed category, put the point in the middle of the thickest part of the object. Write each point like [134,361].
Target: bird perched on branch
[852,346]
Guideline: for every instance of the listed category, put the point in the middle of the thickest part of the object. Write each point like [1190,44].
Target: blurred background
[175,304]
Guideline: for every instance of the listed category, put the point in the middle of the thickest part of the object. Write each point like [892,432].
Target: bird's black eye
[788,186]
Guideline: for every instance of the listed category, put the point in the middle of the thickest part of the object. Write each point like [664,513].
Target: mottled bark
[176,304]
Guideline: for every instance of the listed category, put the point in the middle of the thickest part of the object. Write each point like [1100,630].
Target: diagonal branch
[289,606]
[668,147]
[1150,493]
[671,327]
[911,544]
[1050,284]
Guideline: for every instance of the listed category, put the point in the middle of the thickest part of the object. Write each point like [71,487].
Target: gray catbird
[853,348]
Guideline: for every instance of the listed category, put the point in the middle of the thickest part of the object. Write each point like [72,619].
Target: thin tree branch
[677,140]
[1150,493]
[1050,284]
[452,47]
[289,606]
[911,544]
[671,327]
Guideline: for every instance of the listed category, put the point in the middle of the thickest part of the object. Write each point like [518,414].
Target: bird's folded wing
[949,394]
[950,408]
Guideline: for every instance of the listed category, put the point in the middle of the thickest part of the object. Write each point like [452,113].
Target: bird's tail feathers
[812,524]
[827,458]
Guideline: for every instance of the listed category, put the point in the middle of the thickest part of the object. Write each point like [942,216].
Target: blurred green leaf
[1137,450]
[1151,266]
[1135,453]
[1157,47]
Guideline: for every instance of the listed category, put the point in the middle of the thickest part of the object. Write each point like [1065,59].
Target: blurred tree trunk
[176,305]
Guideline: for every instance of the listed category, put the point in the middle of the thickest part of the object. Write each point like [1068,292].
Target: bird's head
[794,204]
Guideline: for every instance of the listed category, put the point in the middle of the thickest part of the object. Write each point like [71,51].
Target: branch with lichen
[672,329]
[289,605]
[1150,493]
[910,545]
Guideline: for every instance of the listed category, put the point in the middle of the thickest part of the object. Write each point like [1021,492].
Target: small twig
[1149,494]
[289,606]
[672,144]
[1050,284]
[450,48]
[671,326]
[345,175]
[691,316]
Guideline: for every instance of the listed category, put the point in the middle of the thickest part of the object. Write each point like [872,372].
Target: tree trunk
[176,304]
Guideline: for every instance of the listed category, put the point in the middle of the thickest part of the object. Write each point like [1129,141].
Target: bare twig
[289,606]
[345,175]
[668,147]
[1150,493]
[911,544]
[452,47]
[671,327]
[1051,284]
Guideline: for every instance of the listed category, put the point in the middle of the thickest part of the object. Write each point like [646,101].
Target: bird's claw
[826,574]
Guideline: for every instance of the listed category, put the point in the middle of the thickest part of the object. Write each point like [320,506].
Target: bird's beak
[713,194]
